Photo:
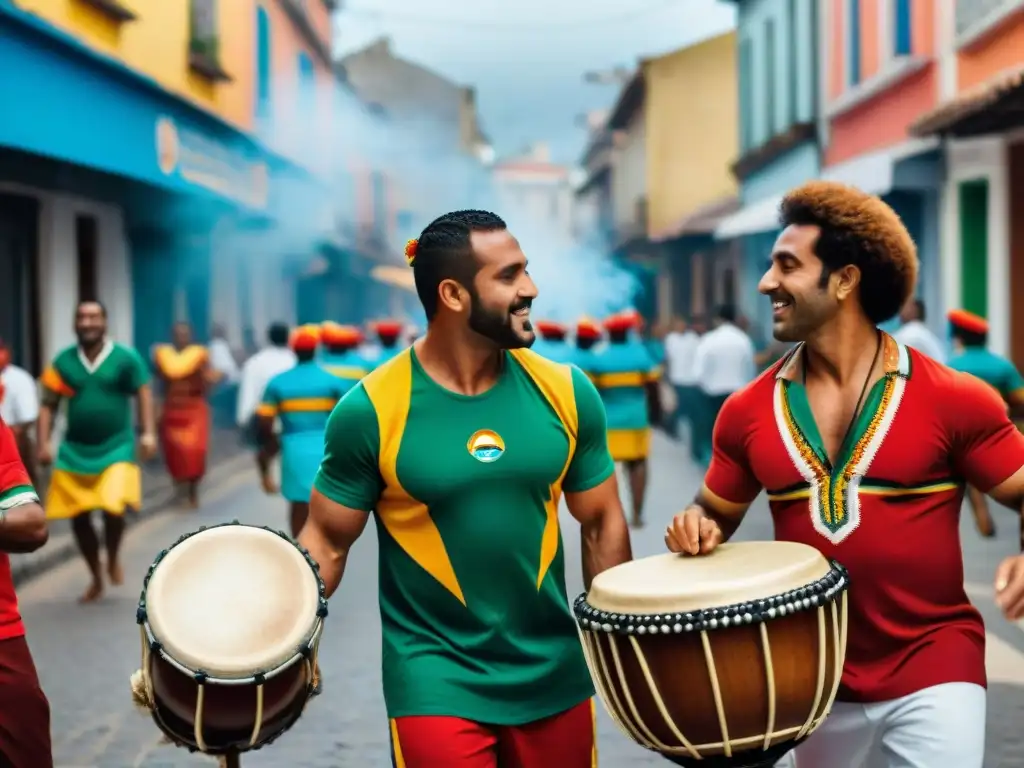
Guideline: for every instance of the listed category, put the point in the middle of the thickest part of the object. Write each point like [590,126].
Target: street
[85,655]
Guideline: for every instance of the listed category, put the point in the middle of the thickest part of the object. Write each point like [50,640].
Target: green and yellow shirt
[475,618]
[98,395]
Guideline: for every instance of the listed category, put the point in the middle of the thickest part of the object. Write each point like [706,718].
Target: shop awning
[397,277]
[760,216]
[875,172]
[993,106]
[703,220]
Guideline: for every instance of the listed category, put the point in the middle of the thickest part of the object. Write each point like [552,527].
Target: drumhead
[733,573]
[232,601]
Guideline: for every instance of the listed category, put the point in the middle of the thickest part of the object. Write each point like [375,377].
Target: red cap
[587,329]
[388,328]
[550,328]
[305,338]
[336,335]
[620,321]
[967,321]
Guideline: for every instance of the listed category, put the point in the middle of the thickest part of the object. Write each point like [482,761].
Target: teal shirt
[465,489]
[350,366]
[622,373]
[556,351]
[302,398]
[990,368]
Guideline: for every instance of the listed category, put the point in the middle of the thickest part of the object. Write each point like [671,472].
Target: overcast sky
[527,57]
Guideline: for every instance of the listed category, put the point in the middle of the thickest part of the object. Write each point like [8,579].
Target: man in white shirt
[724,364]
[914,333]
[19,406]
[681,364]
[257,371]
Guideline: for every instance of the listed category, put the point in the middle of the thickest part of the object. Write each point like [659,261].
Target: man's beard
[496,325]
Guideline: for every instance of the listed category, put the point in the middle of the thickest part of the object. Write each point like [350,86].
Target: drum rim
[253,675]
[823,591]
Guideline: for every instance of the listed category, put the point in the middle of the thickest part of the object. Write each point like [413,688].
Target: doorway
[19,280]
[974,246]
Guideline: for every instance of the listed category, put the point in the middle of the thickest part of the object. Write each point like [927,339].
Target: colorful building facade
[982,66]
[679,154]
[132,164]
[880,70]
[779,93]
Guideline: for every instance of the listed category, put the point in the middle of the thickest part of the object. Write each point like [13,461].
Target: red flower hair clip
[410,250]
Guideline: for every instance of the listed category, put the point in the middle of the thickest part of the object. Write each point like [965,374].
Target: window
[902,43]
[769,77]
[262,63]
[203,38]
[87,257]
[853,43]
[746,94]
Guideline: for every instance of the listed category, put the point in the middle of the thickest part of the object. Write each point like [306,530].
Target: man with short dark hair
[256,372]
[462,446]
[96,466]
[723,364]
[914,333]
[971,355]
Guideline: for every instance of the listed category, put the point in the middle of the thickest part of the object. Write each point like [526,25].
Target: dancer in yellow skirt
[95,468]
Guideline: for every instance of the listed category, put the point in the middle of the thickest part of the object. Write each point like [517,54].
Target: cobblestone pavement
[86,654]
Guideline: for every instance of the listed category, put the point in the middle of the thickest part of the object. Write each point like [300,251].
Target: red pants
[24,711]
[565,740]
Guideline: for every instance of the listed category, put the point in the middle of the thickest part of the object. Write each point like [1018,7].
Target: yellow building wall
[156,44]
[691,108]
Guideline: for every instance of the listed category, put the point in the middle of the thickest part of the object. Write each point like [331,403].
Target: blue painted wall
[778,69]
[785,172]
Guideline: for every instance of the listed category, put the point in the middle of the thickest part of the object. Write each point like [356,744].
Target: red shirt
[889,511]
[15,489]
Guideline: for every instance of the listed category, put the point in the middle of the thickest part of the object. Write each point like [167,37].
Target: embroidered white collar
[91,366]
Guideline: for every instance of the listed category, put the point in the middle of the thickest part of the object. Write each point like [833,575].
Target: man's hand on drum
[692,532]
[1010,587]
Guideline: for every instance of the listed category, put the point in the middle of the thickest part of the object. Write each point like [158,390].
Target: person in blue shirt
[302,398]
[587,335]
[627,378]
[551,342]
[389,335]
[971,355]
[339,353]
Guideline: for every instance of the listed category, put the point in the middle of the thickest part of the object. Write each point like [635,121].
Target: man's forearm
[332,562]
[605,544]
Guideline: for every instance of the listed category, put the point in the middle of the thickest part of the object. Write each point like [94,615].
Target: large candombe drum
[729,659]
[231,618]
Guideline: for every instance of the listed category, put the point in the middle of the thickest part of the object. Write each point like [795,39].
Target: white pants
[939,727]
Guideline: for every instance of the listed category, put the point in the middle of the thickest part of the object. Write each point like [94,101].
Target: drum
[729,659]
[231,618]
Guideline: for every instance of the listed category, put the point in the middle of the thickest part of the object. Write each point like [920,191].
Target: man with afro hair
[864,447]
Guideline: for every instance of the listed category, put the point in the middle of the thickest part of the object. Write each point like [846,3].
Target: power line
[452,21]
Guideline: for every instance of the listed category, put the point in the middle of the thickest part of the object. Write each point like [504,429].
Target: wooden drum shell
[229,711]
[806,652]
